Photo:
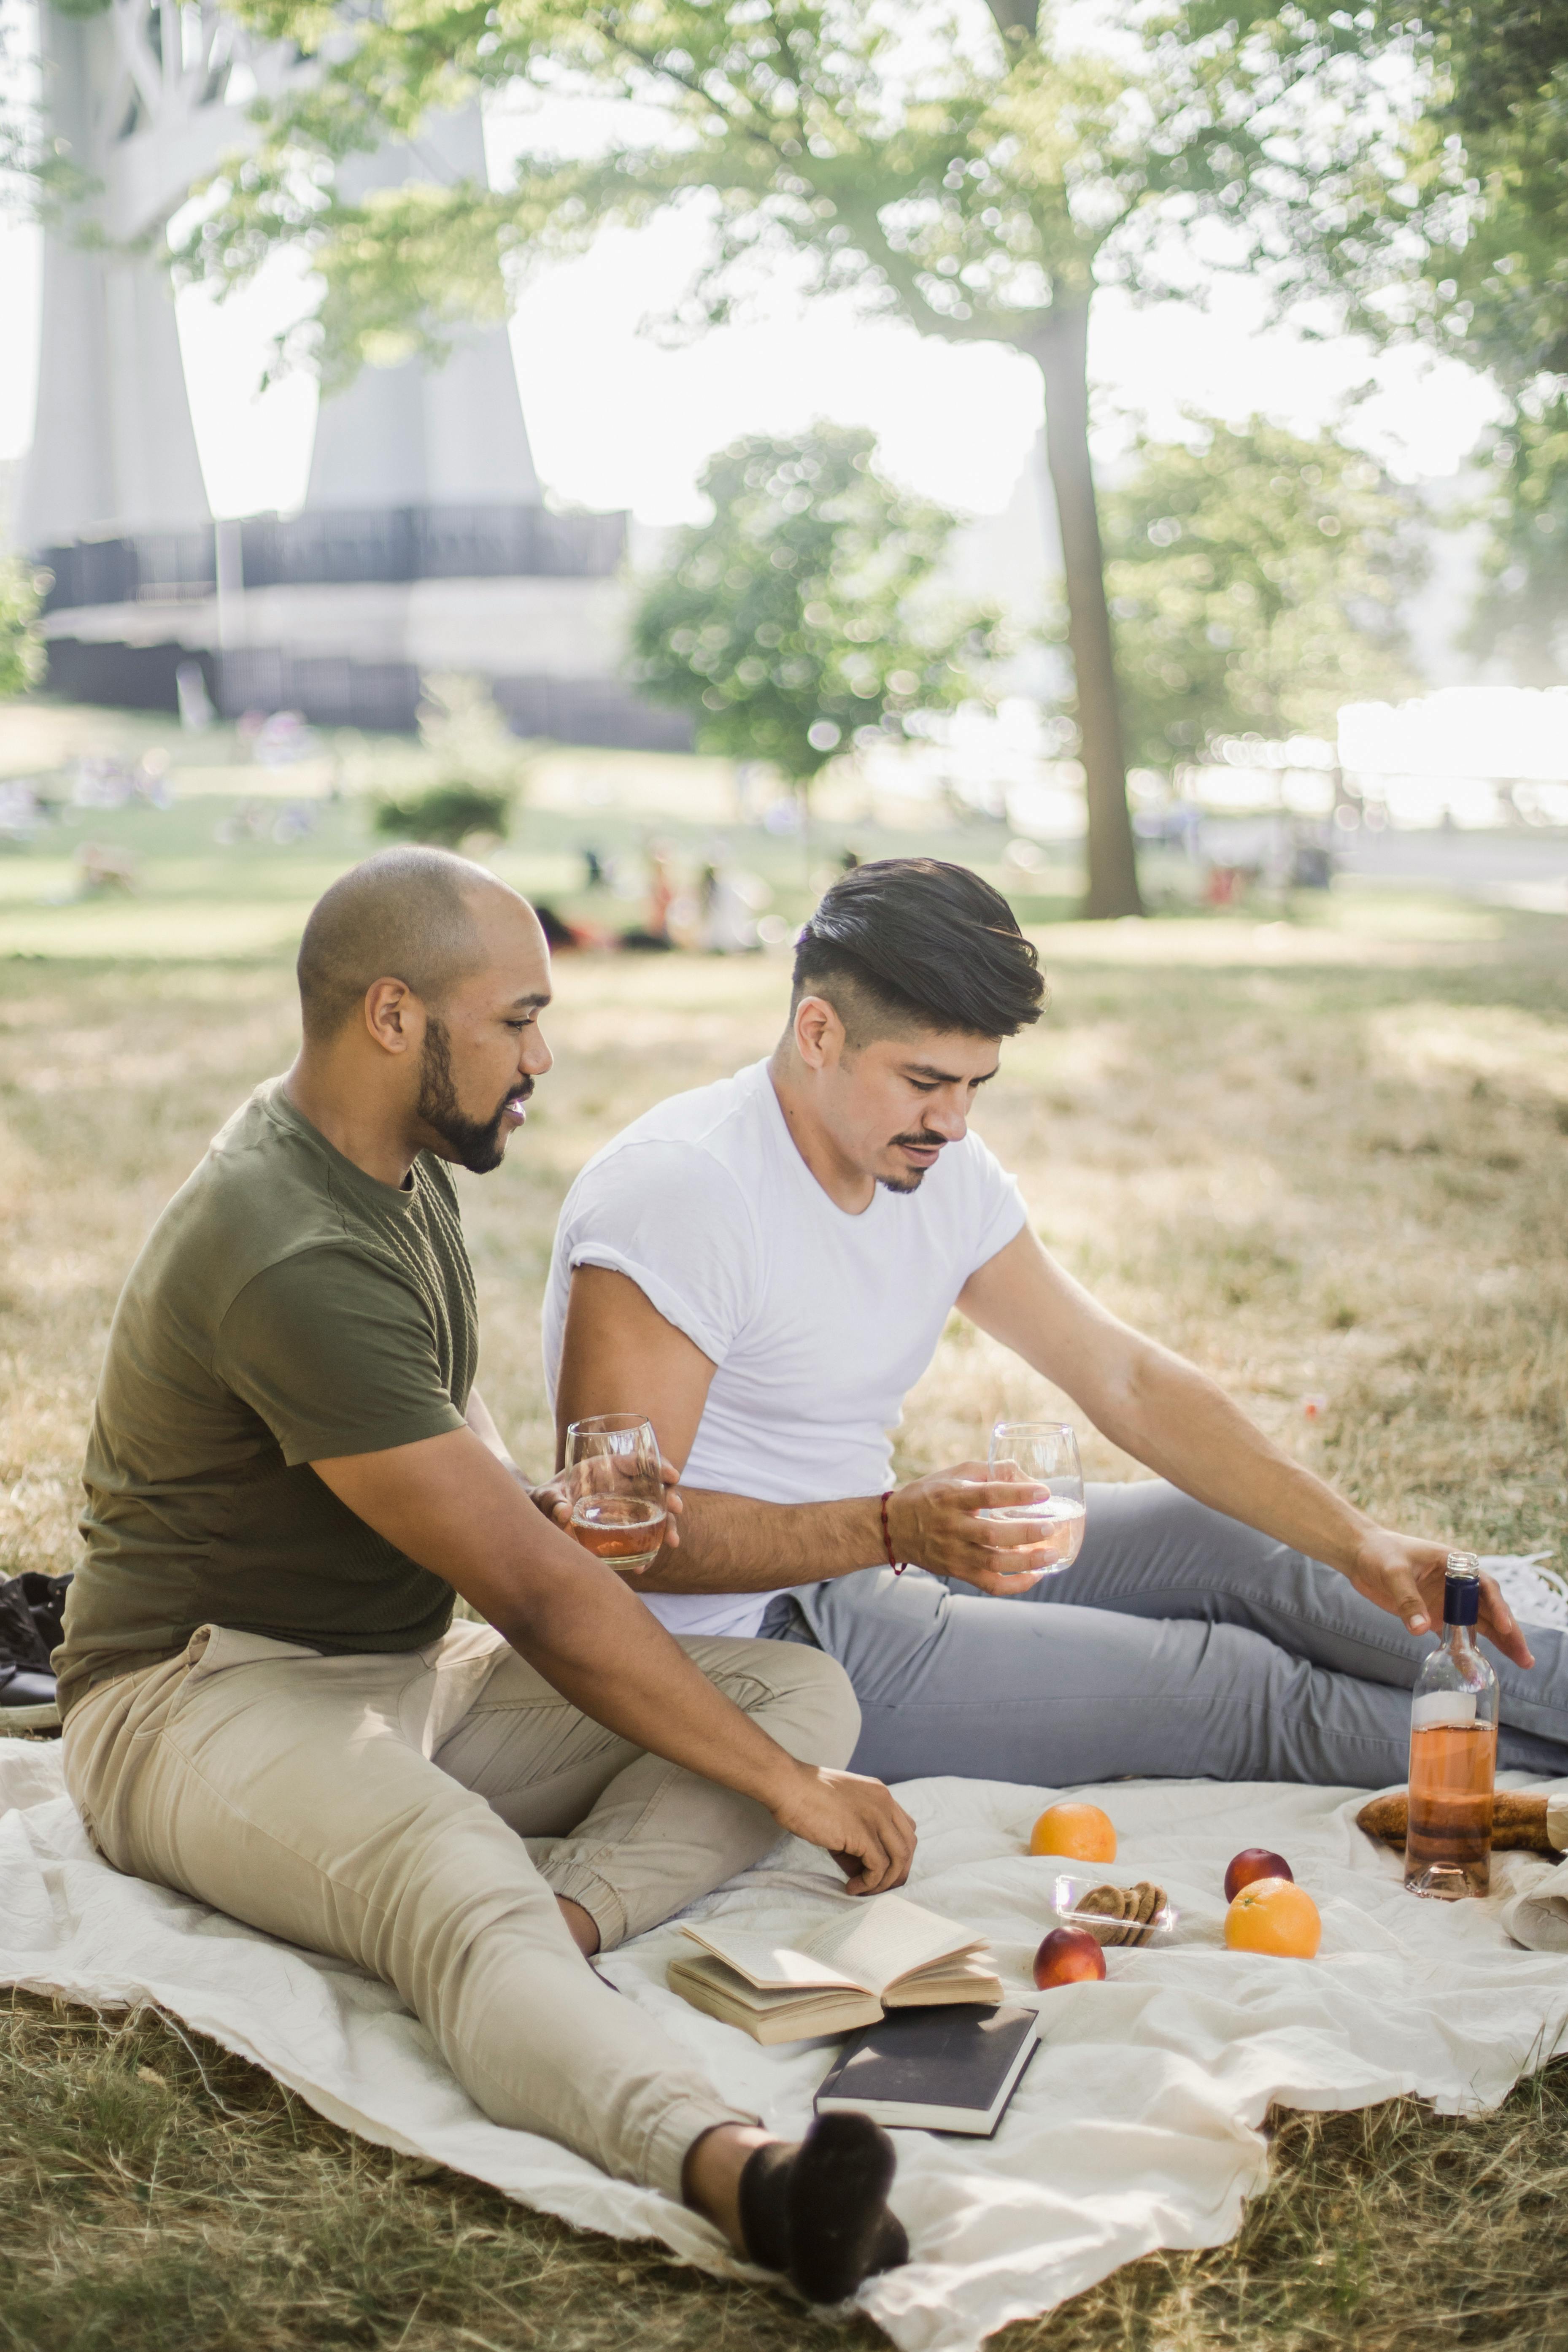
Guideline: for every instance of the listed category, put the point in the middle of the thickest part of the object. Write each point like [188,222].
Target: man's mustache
[919,1142]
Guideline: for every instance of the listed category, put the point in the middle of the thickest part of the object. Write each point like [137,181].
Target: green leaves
[21,647]
[965,176]
[806,609]
[1255,579]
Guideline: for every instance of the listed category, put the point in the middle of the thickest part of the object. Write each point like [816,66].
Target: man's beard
[477,1144]
[912,1178]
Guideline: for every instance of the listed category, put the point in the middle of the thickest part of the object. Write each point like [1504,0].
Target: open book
[873,1952]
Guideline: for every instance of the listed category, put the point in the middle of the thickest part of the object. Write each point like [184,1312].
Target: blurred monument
[414,435]
[137,97]
[424,542]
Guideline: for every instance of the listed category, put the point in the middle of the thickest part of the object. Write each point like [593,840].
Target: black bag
[32,1613]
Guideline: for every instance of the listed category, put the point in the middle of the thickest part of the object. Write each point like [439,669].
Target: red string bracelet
[897,1566]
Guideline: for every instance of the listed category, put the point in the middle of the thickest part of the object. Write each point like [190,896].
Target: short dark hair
[405,914]
[913,942]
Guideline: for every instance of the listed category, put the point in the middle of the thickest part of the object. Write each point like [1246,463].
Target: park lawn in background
[1327,1162]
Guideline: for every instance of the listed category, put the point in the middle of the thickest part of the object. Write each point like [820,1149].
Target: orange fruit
[1081,1832]
[1274,1915]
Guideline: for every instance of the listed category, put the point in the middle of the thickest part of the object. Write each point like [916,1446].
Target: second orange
[1081,1833]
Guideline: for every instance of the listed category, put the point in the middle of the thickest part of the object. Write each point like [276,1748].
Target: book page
[765,1962]
[867,1944]
[971,1977]
[883,1938]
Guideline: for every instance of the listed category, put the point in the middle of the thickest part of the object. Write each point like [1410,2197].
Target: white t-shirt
[818,1322]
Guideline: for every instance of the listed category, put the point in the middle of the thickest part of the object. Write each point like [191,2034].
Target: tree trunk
[1062,353]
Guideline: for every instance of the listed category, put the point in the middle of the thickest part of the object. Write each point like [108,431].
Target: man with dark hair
[289,1478]
[882,945]
[765,1266]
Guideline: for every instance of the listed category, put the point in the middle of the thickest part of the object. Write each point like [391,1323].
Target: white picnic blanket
[1138,2125]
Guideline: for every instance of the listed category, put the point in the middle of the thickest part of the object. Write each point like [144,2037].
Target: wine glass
[617,1486]
[1045,1453]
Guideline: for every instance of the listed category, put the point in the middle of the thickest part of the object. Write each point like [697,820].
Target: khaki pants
[376,1807]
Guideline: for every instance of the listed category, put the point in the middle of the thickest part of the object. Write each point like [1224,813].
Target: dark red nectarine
[1069,1956]
[1252,1863]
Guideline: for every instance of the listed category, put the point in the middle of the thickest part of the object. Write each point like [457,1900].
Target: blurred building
[423,543]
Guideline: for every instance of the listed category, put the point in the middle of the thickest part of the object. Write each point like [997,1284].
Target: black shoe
[28,1702]
[818,2210]
[29,1628]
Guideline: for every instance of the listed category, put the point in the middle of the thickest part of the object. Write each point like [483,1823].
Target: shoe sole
[29,1718]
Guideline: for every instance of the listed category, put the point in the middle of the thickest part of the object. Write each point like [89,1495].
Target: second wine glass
[1046,1453]
[617,1486]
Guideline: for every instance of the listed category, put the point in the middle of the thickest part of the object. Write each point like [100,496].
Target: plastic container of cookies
[1139,1916]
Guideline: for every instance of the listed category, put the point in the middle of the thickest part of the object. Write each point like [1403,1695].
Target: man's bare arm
[450,1504]
[1175,1420]
[481,1421]
[619,1354]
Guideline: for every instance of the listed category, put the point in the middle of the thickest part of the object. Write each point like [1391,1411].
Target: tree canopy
[807,610]
[1255,578]
[1430,204]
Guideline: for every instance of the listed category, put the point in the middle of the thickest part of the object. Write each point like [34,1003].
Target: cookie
[1150,1901]
[1107,1905]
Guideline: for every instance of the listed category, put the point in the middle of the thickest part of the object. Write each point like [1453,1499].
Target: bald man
[290,1473]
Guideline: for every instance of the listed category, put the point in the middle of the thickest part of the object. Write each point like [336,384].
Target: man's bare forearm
[1157,1407]
[1180,1424]
[452,1504]
[729,1543]
[603,1658]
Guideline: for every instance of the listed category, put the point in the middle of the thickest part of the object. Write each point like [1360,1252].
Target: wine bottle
[1453,1751]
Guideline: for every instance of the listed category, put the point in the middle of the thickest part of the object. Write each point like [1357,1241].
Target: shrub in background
[445,814]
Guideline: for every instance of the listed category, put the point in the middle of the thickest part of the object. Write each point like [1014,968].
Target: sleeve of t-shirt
[675,1223]
[1000,1214]
[336,1355]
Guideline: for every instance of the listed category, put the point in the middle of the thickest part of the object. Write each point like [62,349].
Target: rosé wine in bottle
[1453,1751]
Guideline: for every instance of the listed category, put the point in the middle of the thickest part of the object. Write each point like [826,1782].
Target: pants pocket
[215,1649]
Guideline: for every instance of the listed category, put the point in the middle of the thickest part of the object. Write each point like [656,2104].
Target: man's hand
[869,1836]
[933,1524]
[554,1499]
[1404,1576]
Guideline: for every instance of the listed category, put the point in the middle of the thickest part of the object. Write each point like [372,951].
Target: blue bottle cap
[1462,1589]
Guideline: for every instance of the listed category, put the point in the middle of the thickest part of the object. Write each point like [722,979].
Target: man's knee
[800,1695]
[817,1704]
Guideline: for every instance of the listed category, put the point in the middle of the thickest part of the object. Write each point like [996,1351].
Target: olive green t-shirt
[286,1308]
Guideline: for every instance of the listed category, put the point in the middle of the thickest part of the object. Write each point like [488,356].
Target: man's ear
[394,1015]
[819,1036]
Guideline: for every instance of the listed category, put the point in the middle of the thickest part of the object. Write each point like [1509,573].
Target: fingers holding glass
[615,1479]
[1050,1518]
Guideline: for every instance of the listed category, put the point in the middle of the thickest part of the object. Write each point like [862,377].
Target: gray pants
[1179,1644]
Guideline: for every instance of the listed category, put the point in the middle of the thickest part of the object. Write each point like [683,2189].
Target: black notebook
[933,2068]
